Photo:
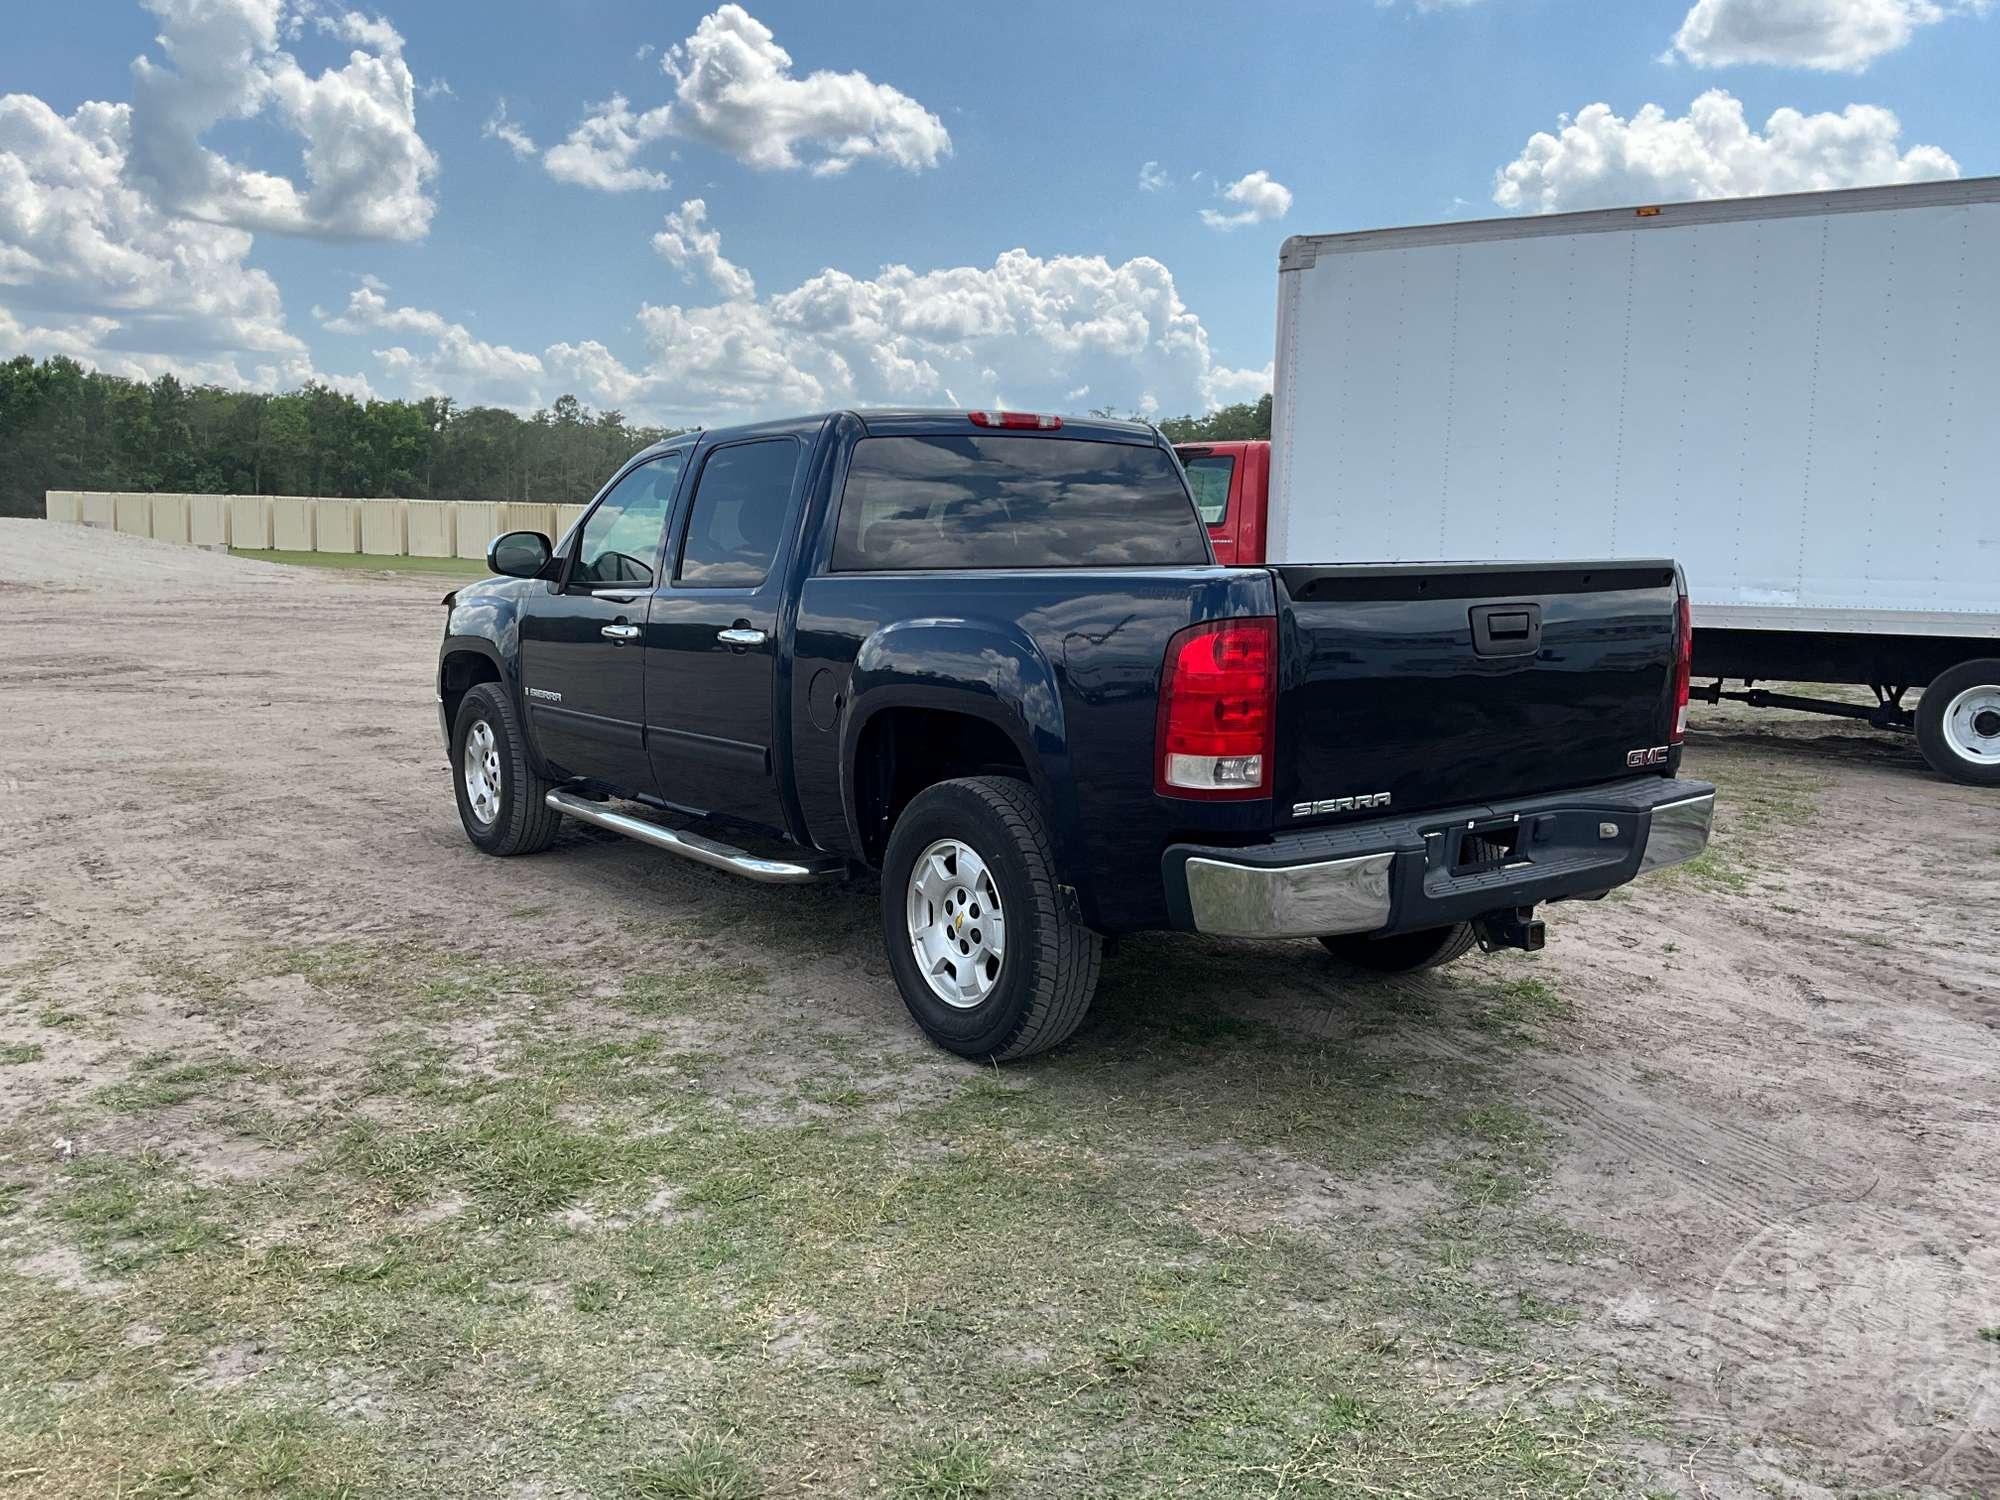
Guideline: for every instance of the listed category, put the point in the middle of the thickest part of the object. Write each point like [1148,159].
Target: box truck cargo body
[1798,397]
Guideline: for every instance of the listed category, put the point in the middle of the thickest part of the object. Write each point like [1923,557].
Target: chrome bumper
[1413,885]
[1337,895]
[1679,831]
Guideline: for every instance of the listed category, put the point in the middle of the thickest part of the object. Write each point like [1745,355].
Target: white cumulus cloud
[600,151]
[734,89]
[454,363]
[91,267]
[500,127]
[1834,36]
[1028,329]
[1261,199]
[1153,178]
[366,168]
[1598,159]
[688,243]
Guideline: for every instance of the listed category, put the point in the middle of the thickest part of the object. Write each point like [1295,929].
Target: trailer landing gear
[1957,717]
[1888,712]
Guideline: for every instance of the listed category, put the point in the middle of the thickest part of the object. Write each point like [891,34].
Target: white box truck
[1798,397]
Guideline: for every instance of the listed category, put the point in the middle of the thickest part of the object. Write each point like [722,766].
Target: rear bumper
[1406,874]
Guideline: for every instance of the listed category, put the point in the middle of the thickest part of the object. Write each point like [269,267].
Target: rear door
[1446,684]
[582,644]
[711,639]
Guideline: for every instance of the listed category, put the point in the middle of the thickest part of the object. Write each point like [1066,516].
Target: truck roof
[913,421]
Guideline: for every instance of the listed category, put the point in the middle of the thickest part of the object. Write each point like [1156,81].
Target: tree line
[63,427]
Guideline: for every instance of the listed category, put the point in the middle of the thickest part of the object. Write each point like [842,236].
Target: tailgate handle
[1506,629]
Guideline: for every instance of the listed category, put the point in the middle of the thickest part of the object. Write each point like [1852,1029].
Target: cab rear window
[996,501]
[1209,476]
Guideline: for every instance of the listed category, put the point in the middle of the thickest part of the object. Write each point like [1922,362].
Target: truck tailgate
[1450,683]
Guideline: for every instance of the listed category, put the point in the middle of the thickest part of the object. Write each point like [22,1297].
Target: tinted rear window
[1013,502]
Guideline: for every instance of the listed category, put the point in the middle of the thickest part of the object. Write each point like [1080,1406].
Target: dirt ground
[336,1158]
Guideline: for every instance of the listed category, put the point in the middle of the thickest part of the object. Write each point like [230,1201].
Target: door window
[740,505]
[621,540]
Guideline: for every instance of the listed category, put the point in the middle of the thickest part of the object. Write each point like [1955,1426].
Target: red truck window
[1209,479]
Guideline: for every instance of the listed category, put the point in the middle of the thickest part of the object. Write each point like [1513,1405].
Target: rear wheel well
[458,674]
[904,750]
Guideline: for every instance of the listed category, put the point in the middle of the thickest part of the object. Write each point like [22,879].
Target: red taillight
[1683,669]
[1014,419]
[1218,710]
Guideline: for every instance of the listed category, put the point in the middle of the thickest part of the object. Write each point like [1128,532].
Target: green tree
[64,427]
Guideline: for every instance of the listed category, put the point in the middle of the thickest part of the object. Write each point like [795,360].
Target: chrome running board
[693,846]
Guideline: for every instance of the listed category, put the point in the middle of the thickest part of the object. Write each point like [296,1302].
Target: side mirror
[519,554]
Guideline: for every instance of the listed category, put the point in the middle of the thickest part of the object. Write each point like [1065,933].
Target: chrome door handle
[621,632]
[737,636]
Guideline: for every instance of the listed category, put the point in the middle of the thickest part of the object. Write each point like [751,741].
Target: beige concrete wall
[385,527]
[291,523]
[529,516]
[208,520]
[64,505]
[566,517]
[478,524]
[430,529]
[170,518]
[133,514]
[99,509]
[336,525]
[250,522]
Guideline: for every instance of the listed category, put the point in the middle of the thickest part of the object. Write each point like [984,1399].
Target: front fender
[486,621]
[986,669]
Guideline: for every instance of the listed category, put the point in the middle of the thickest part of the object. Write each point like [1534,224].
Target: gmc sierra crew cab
[991,656]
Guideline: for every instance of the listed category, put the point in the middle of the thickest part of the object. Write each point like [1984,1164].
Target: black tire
[1048,966]
[1405,952]
[1956,750]
[524,822]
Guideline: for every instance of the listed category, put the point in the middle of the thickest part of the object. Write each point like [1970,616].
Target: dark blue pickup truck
[990,656]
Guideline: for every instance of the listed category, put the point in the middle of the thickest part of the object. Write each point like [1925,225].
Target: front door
[711,639]
[583,645]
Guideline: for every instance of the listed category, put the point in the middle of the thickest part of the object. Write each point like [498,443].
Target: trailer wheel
[1958,723]
[1405,952]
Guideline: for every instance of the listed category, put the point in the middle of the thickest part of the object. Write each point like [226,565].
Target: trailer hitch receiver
[1516,927]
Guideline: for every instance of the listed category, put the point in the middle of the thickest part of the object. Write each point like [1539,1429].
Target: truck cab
[1231,483]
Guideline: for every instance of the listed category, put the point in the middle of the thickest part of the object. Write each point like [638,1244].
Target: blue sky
[267,191]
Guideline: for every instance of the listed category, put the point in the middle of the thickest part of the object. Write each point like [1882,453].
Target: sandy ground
[1776,1102]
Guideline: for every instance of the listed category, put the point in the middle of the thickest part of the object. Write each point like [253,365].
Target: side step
[693,846]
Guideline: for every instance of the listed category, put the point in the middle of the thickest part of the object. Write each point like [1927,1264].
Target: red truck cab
[1232,485]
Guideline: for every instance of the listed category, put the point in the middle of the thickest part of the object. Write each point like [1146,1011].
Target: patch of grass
[158,1082]
[951,1469]
[510,1151]
[451,567]
[681,989]
[706,1468]
[129,1212]
[13,1054]
[1146,1320]
[1519,1005]
[1755,811]
[1991,1335]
